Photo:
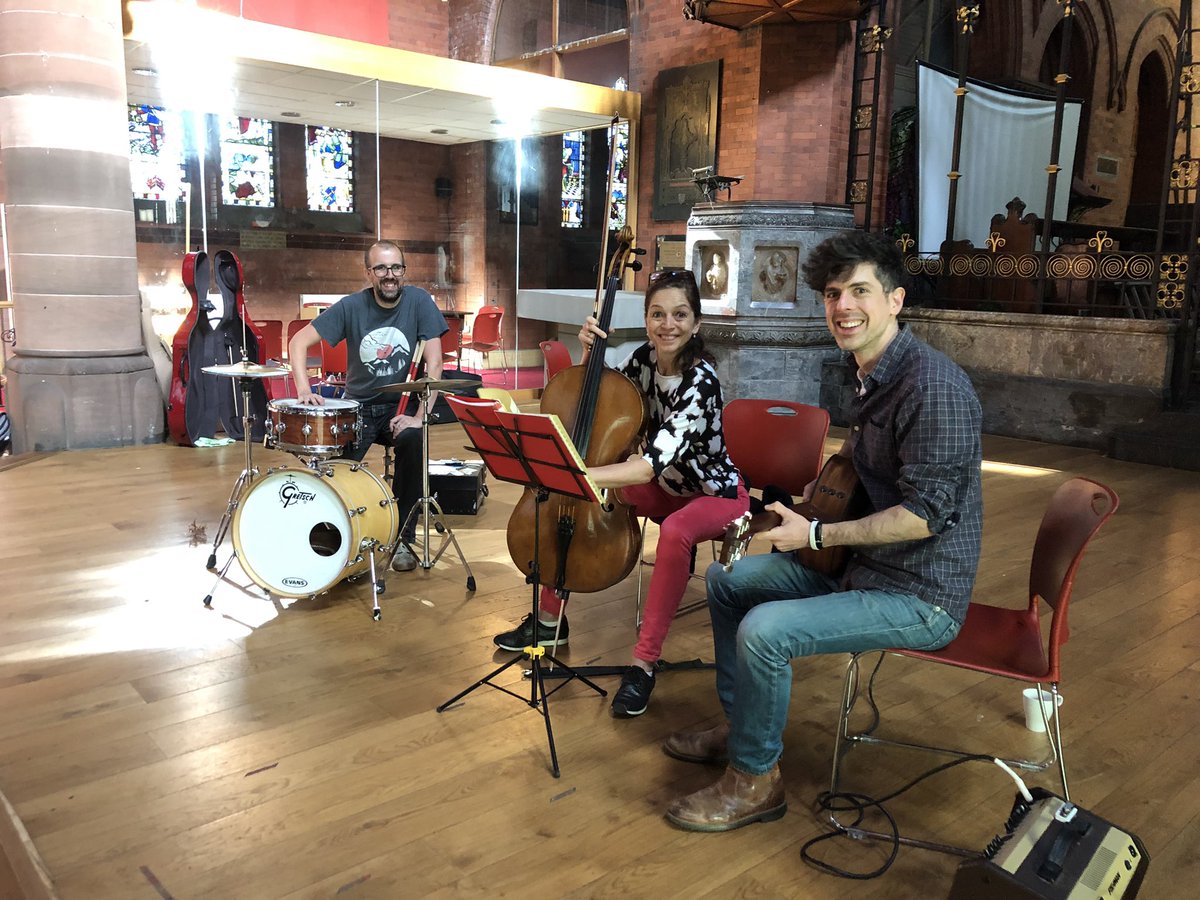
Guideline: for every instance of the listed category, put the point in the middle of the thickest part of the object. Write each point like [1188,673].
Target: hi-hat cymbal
[424,386]
[248,370]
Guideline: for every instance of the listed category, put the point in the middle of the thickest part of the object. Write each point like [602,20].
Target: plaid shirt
[918,421]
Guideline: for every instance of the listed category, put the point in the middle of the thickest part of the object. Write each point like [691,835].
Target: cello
[582,546]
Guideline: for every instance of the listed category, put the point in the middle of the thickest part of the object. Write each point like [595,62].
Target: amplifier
[1053,849]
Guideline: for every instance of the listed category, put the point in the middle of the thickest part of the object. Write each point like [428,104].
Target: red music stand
[532,450]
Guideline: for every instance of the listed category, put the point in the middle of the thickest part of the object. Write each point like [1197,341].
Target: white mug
[1034,719]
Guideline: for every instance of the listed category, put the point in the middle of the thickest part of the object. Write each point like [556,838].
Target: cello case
[195,279]
[212,400]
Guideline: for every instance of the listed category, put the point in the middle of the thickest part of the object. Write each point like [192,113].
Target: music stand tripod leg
[539,697]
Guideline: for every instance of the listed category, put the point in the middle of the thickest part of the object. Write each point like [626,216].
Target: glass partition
[298,197]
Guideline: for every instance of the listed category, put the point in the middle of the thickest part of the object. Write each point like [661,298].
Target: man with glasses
[383,325]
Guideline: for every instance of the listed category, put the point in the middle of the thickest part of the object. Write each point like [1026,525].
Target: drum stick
[413,365]
[417,358]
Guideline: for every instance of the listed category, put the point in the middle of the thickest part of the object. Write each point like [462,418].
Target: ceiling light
[142,70]
[290,114]
[440,131]
[344,104]
[497,121]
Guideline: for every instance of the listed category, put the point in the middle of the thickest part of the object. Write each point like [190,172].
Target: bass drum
[299,532]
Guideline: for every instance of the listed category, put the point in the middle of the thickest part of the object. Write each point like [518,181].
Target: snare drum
[312,430]
[300,531]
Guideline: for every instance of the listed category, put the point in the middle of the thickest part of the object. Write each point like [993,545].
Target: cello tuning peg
[634,266]
[639,251]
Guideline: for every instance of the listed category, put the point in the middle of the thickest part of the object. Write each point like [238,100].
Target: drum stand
[248,471]
[427,507]
[243,481]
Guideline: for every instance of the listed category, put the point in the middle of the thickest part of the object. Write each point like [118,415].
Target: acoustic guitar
[836,497]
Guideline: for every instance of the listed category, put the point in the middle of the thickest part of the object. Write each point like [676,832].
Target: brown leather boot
[707,746]
[736,800]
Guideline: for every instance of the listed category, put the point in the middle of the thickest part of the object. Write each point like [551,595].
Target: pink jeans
[684,522]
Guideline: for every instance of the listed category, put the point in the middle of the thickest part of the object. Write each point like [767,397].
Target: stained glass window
[247,162]
[329,163]
[620,183]
[572,179]
[155,155]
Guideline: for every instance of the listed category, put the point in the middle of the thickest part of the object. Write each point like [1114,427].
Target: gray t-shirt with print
[380,341]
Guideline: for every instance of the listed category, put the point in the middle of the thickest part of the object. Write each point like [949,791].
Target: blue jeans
[406,475]
[769,610]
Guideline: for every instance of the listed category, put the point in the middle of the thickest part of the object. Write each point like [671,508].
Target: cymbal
[248,370]
[424,386]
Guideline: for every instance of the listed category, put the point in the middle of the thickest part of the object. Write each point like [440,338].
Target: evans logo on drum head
[290,493]
[294,582]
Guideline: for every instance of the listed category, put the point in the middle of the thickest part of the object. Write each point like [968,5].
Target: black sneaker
[633,696]
[522,636]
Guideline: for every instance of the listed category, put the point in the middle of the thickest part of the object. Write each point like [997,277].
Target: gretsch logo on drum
[290,493]
[294,582]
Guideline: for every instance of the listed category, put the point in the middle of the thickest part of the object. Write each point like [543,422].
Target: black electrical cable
[845,801]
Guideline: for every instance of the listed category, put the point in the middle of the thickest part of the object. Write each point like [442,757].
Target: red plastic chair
[334,366]
[484,336]
[272,333]
[294,326]
[557,356]
[776,442]
[1008,641]
[452,340]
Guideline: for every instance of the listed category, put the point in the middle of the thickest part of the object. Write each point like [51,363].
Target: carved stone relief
[774,277]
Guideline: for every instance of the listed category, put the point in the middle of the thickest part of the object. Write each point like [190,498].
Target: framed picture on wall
[686,136]
[505,169]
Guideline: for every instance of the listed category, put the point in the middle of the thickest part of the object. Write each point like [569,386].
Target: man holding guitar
[915,447]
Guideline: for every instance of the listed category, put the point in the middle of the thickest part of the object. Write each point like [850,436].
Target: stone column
[764,325]
[80,376]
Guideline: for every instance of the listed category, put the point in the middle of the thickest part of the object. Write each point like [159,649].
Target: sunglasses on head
[672,276]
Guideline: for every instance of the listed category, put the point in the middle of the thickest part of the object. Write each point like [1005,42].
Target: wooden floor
[154,748]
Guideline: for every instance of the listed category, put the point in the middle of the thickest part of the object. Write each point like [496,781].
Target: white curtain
[1006,141]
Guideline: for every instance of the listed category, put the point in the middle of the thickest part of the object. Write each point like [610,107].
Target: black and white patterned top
[919,447]
[684,442]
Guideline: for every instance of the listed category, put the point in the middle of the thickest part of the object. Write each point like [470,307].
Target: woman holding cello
[683,475]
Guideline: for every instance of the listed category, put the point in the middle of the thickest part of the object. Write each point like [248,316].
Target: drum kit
[297,532]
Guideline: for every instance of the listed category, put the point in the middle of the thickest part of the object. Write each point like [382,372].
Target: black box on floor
[458,486]
[441,412]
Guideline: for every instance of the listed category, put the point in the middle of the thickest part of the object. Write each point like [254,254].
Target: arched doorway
[1150,148]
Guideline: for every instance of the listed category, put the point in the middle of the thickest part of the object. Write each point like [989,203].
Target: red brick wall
[803,113]
[419,25]
[784,106]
